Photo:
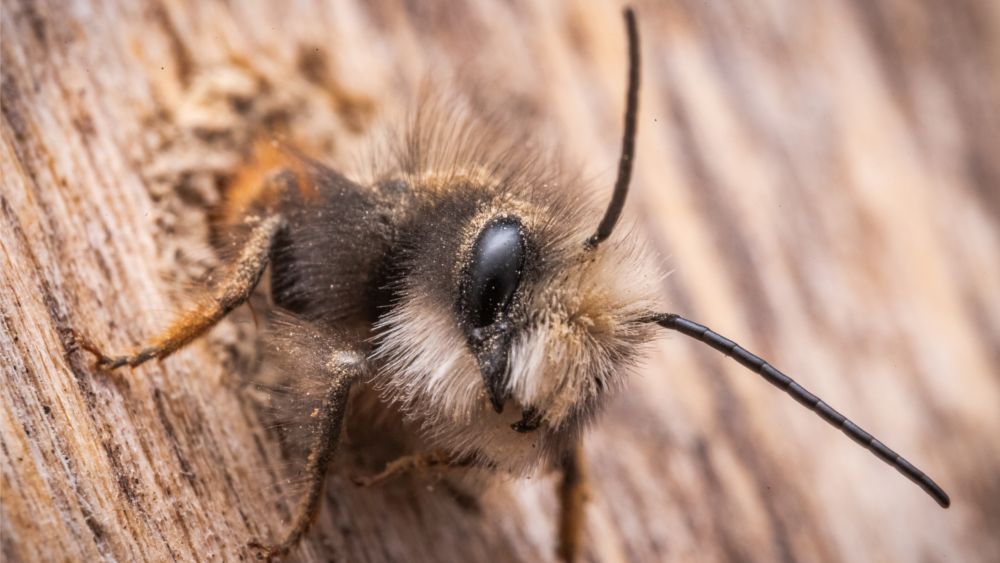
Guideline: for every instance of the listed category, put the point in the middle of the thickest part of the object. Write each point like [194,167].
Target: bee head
[508,328]
[552,324]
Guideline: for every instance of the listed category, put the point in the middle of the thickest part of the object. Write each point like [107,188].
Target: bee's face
[506,322]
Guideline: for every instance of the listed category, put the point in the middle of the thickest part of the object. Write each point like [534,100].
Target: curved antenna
[628,140]
[810,401]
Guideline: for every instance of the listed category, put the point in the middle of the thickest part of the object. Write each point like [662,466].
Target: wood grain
[821,178]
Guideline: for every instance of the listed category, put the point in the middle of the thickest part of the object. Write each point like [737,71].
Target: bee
[466,289]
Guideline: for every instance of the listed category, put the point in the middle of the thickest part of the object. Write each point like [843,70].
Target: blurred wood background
[822,178]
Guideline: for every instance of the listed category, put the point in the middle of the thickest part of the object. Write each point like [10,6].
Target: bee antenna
[810,401]
[628,139]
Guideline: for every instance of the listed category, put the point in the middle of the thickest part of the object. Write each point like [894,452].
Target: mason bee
[464,288]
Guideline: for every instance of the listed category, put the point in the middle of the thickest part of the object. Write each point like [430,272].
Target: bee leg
[344,369]
[235,290]
[573,495]
[418,461]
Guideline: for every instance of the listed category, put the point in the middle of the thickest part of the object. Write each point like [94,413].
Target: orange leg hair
[418,461]
[573,496]
[235,290]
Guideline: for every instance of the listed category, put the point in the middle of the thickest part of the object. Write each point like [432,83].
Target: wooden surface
[821,178]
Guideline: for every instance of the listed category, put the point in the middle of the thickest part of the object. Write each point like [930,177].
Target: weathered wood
[822,179]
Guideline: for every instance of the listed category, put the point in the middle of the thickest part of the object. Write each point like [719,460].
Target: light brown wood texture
[822,178]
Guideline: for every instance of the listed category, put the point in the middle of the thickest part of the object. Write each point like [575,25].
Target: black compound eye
[494,272]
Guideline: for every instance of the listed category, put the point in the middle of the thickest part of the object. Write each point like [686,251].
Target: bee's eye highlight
[494,272]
